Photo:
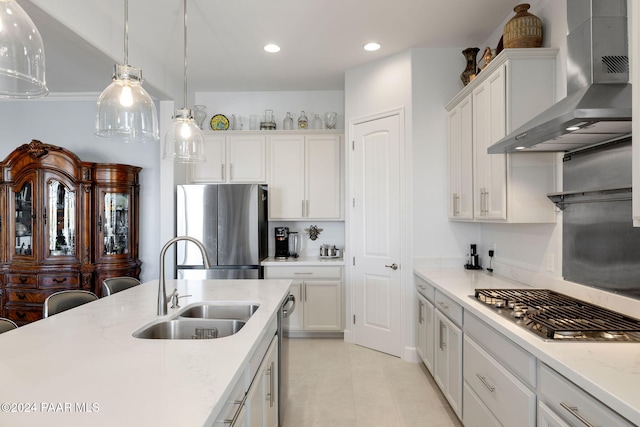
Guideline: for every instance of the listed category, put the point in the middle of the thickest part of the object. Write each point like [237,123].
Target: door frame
[408,351]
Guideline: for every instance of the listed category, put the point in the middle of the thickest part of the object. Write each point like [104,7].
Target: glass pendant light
[184,140]
[21,54]
[125,111]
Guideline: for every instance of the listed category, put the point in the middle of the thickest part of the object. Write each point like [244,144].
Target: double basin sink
[200,321]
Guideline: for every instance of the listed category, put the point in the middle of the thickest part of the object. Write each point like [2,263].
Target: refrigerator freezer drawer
[221,273]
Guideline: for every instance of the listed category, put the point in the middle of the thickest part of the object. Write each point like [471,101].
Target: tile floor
[336,384]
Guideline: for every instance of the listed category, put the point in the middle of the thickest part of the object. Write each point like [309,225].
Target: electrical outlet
[551,263]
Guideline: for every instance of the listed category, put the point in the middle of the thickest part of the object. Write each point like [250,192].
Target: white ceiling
[320,39]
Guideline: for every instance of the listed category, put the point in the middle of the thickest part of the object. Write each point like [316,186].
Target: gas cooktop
[554,316]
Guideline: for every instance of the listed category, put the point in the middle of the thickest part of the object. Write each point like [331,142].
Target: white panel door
[376,221]
[286,186]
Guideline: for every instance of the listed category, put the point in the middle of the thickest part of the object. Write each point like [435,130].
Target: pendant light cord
[126,32]
[185,54]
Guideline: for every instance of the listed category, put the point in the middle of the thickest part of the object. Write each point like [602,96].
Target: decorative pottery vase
[470,71]
[523,30]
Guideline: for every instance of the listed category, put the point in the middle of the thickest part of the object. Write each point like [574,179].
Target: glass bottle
[303,122]
[199,114]
[287,123]
[316,123]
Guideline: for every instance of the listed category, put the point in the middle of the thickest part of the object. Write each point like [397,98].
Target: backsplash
[332,234]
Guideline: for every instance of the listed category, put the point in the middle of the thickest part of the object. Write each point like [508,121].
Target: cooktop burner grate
[556,316]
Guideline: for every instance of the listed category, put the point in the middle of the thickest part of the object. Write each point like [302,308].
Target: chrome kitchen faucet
[163,300]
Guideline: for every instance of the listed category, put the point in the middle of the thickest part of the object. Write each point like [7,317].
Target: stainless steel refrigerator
[231,221]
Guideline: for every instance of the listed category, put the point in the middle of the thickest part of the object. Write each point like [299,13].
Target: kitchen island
[83,367]
[610,372]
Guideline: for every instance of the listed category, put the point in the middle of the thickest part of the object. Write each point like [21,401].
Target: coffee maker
[282,242]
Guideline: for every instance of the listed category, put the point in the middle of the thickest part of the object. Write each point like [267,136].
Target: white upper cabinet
[516,86]
[232,158]
[305,181]
[635,84]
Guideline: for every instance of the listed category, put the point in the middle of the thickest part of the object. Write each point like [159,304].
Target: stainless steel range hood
[598,106]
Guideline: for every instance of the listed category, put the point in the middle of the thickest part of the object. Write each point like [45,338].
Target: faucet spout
[162,289]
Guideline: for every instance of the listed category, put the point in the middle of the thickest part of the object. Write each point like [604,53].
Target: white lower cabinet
[565,402]
[318,294]
[253,402]
[548,418]
[262,397]
[508,399]
[425,338]
[476,414]
[448,361]
[500,374]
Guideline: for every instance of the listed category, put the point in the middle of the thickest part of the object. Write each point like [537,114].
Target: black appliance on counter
[558,317]
[282,242]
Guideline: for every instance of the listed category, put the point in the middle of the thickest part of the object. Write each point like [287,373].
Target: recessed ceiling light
[520,148]
[272,48]
[372,47]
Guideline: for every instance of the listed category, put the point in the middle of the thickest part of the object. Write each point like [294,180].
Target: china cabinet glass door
[60,219]
[24,216]
[115,218]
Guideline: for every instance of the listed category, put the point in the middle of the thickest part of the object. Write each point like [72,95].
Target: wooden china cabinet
[64,224]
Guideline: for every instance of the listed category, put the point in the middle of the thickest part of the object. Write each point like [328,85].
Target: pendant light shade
[125,110]
[21,54]
[184,141]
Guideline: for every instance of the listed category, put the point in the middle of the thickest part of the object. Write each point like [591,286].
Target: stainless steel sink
[220,311]
[190,329]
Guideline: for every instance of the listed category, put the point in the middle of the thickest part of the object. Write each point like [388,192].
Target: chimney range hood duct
[597,108]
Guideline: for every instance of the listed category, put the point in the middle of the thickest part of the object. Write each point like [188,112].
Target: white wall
[69,123]
[247,103]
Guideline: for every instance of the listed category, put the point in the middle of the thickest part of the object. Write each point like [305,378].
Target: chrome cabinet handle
[441,343]
[573,410]
[393,266]
[483,380]
[241,404]
[443,305]
[302,208]
[222,171]
[270,395]
[420,306]
[230,171]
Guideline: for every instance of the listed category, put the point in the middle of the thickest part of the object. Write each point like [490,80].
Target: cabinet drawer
[22,280]
[51,281]
[449,307]
[303,273]
[517,360]
[27,296]
[425,288]
[22,315]
[573,404]
[512,403]
[475,413]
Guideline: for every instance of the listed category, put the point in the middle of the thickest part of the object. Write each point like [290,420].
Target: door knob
[393,266]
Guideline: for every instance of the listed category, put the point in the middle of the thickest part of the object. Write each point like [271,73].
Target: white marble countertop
[302,261]
[608,371]
[87,355]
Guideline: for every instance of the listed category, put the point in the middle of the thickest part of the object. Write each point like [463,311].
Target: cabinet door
[323,166]
[425,341]
[270,376]
[247,158]
[548,418]
[461,161]
[255,404]
[322,305]
[448,361]
[286,186]
[60,217]
[296,318]
[115,223]
[213,169]
[489,169]
[23,229]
